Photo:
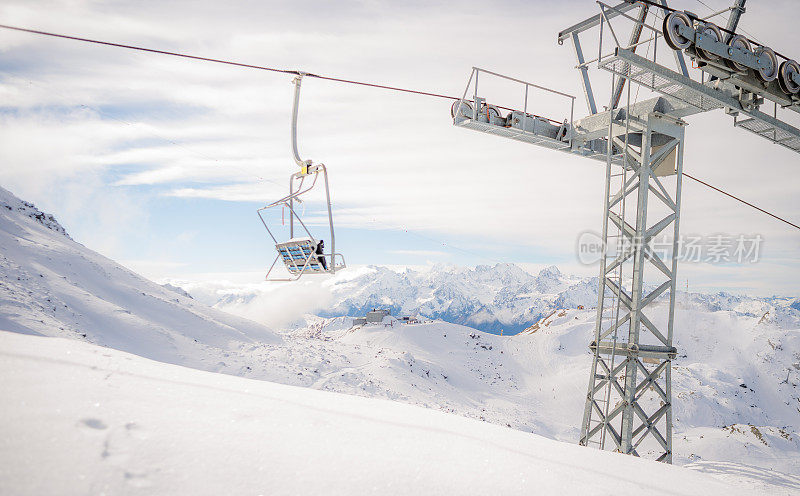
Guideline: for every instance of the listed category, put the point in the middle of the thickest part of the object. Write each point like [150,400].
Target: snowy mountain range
[737,402]
[489,298]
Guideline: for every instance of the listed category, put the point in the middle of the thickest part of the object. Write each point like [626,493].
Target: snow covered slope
[536,381]
[89,420]
[51,285]
[735,382]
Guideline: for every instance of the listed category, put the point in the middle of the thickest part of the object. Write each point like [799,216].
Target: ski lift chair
[299,254]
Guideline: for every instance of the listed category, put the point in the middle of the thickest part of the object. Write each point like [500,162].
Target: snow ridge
[52,286]
[13,204]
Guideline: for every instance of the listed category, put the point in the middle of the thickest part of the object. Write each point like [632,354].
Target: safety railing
[476,102]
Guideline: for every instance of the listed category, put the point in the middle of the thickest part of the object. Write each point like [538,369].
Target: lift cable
[447,245]
[740,200]
[340,80]
[226,62]
[751,37]
[705,183]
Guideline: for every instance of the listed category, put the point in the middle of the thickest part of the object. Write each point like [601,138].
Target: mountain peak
[54,286]
[10,203]
[551,271]
[487,297]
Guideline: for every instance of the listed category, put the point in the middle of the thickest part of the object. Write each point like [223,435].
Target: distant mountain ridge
[489,298]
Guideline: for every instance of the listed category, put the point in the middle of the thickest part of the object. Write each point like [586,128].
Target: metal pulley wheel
[768,70]
[492,111]
[786,73]
[672,35]
[738,41]
[709,30]
[466,109]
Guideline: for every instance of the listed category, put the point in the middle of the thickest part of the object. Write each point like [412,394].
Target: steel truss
[629,395]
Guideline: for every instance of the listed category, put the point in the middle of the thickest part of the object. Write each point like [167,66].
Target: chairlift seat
[299,256]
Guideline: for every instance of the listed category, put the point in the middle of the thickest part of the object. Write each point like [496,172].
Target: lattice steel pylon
[629,395]
[628,405]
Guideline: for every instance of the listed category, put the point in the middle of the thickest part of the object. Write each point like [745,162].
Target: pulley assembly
[734,59]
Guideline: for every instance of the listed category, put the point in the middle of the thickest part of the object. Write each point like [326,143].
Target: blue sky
[160,163]
[206,235]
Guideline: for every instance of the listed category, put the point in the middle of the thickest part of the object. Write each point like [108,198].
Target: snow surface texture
[533,382]
[89,420]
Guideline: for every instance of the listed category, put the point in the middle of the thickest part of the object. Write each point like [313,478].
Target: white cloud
[113,119]
[420,253]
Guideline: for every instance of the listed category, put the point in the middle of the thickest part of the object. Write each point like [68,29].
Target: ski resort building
[376,315]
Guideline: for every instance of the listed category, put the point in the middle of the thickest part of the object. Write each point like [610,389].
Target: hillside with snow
[52,286]
[107,422]
[735,381]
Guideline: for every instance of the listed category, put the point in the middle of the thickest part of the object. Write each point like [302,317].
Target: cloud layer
[103,131]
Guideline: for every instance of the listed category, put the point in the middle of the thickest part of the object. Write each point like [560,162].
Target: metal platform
[594,149]
[691,97]
[531,137]
[770,132]
[520,125]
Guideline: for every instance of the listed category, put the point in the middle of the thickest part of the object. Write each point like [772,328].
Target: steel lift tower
[629,398]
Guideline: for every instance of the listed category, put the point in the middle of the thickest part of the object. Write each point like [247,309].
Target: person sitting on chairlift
[320,257]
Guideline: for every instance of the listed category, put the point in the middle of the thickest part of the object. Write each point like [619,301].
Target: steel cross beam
[574,32]
[594,21]
[733,20]
[628,404]
[636,33]
[585,82]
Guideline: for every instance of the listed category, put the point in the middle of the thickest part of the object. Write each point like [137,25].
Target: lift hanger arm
[300,162]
